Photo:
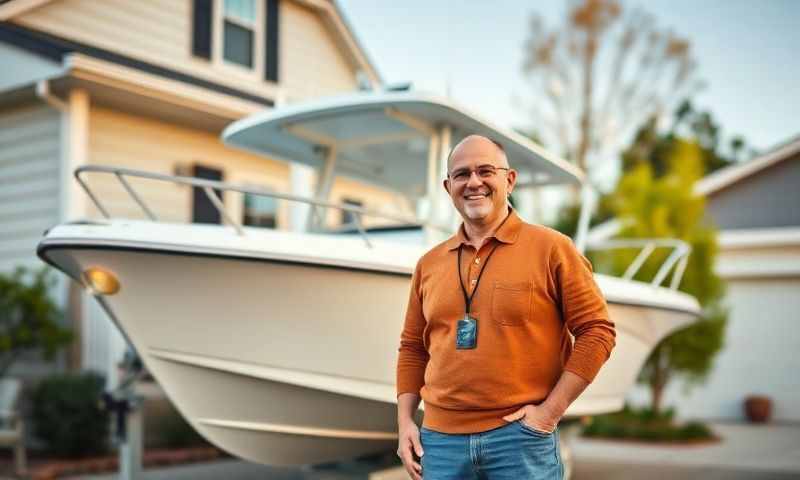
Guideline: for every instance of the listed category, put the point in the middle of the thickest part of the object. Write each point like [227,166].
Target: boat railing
[678,257]
[210,188]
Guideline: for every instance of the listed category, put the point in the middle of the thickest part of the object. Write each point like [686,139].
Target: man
[486,337]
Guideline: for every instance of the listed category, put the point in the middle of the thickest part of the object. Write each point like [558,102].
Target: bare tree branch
[600,74]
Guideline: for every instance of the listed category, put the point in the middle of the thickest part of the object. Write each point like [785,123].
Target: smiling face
[480,198]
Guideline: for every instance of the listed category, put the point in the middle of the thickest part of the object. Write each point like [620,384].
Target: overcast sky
[746,50]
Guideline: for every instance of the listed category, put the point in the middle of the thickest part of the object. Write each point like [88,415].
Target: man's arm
[583,309]
[407,405]
[585,314]
[568,388]
[411,363]
[409,446]
[547,414]
[413,356]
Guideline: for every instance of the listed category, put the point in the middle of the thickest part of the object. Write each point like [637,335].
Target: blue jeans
[514,452]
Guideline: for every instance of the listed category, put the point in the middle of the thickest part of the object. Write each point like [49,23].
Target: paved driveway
[585,470]
[746,447]
[746,452]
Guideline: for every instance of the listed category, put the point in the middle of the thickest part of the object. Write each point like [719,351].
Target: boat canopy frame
[301,133]
[369,136]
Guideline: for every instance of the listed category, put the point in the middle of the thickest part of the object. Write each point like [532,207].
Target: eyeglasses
[485,172]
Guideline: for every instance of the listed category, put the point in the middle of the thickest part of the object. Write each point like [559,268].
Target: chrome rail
[209,187]
[679,256]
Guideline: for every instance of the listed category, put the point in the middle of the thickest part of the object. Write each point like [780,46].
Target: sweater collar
[507,233]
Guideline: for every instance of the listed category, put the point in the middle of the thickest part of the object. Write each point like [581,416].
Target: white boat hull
[288,362]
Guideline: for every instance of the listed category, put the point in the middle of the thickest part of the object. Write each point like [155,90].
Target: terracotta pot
[758,408]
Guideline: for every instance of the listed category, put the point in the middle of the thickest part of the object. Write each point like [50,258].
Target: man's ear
[512,180]
[446,185]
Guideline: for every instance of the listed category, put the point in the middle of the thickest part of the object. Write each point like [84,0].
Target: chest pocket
[511,302]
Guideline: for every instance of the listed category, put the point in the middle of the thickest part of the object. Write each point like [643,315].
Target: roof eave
[329,8]
[729,175]
[13,8]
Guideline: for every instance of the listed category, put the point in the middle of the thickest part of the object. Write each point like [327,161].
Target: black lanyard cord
[468,298]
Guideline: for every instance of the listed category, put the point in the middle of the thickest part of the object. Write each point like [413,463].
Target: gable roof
[729,175]
[329,9]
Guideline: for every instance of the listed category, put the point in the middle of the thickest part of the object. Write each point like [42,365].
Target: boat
[280,346]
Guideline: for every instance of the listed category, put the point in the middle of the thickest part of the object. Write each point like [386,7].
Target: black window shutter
[271,41]
[203,17]
[203,211]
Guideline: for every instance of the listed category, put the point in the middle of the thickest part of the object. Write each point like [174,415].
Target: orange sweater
[536,289]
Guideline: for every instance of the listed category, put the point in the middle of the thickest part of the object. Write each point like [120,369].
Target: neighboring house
[150,84]
[755,205]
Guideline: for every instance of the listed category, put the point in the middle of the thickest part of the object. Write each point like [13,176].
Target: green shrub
[30,321]
[67,414]
[696,430]
[645,424]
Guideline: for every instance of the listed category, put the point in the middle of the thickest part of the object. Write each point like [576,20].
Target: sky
[472,51]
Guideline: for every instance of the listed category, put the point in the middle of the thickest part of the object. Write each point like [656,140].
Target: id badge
[467,333]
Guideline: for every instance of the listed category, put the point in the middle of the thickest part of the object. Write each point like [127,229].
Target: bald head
[478,145]
[478,191]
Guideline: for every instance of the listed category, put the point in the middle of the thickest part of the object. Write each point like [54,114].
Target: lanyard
[468,298]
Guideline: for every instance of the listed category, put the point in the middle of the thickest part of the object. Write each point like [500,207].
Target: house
[150,84]
[755,206]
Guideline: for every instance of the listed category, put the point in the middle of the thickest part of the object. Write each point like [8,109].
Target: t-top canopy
[383,138]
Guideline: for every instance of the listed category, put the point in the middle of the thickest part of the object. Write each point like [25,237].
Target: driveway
[745,452]
[767,448]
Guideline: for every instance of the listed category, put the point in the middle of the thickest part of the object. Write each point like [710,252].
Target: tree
[646,71]
[652,147]
[29,320]
[651,205]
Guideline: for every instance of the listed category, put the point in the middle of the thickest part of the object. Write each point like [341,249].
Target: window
[260,211]
[238,36]
[239,31]
[349,218]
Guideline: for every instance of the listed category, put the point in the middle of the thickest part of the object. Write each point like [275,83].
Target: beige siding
[372,198]
[160,32]
[130,141]
[311,64]
[29,190]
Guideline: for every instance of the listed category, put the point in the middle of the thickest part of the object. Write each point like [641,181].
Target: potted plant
[758,408]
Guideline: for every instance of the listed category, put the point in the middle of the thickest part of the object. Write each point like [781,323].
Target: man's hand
[537,417]
[545,416]
[408,444]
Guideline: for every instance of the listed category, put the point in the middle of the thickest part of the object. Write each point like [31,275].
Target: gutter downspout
[43,92]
